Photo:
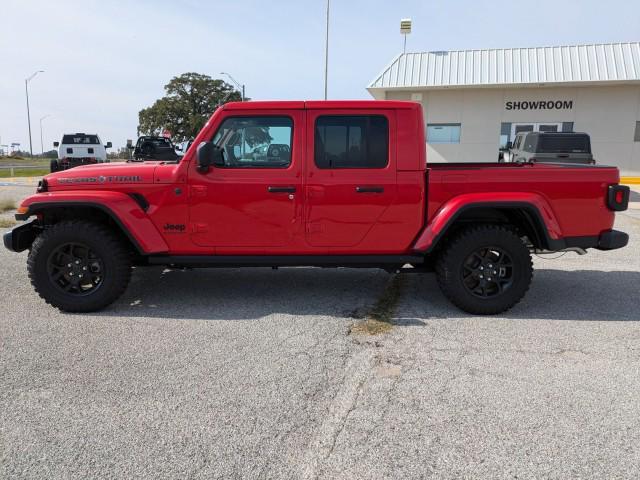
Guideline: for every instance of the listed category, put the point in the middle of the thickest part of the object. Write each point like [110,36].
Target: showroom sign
[539,105]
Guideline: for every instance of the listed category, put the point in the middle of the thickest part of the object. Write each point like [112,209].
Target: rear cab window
[564,144]
[80,139]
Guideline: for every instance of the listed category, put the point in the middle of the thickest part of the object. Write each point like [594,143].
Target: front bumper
[21,238]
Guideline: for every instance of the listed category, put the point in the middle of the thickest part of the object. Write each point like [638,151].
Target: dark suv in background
[551,147]
[154,148]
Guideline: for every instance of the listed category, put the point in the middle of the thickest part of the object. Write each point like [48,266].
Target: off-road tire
[54,166]
[112,251]
[450,269]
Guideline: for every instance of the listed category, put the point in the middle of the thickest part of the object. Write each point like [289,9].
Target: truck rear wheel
[485,270]
[54,165]
[79,266]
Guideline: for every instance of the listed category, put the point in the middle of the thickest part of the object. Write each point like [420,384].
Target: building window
[636,137]
[505,134]
[443,133]
[355,141]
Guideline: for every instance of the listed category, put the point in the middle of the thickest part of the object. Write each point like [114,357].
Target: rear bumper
[612,240]
[609,240]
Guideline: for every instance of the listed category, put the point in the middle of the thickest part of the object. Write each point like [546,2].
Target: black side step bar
[353,261]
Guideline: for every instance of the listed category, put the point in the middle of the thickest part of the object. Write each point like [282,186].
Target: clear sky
[105,60]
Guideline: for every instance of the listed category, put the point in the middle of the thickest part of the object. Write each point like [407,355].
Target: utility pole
[41,142]
[326,53]
[26,90]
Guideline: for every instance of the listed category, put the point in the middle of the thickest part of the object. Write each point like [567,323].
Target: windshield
[80,139]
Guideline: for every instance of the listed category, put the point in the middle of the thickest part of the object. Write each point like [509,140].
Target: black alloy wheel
[485,269]
[75,269]
[487,272]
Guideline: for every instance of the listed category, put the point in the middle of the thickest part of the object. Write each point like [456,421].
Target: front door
[350,179]
[251,201]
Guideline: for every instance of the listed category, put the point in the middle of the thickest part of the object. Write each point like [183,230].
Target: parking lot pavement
[253,373]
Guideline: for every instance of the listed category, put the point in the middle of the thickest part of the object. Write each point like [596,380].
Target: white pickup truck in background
[79,149]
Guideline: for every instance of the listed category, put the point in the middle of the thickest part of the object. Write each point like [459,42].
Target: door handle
[369,189]
[281,189]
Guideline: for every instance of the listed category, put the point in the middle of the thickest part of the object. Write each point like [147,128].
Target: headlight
[42,186]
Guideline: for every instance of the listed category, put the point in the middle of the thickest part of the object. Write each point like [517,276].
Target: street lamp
[405,29]
[238,86]
[41,142]
[26,89]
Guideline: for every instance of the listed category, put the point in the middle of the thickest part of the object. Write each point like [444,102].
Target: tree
[190,100]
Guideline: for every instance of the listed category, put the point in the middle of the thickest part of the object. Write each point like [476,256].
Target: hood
[104,174]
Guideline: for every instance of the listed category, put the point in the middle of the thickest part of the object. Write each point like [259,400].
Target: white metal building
[476,100]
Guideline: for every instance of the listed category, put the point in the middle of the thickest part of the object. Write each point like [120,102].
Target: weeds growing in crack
[380,318]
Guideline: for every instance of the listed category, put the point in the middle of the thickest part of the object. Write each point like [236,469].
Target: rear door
[350,177]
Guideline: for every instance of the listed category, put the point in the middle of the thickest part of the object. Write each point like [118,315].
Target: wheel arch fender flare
[534,206]
[124,210]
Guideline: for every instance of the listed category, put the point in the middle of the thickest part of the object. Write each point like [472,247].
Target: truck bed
[571,189]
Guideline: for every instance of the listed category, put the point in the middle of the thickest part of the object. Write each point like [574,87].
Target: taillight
[618,197]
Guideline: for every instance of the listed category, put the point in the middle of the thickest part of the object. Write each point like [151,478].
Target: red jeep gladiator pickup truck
[328,184]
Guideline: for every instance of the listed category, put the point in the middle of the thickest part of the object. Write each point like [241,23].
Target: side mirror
[56,144]
[108,145]
[209,154]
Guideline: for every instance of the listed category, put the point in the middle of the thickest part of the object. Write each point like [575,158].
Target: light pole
[405,29]
[326,53]
[26,90]
[238,86]
[41,142]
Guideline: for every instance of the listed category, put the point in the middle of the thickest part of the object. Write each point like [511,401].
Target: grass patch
[6,205]
[380,317]
[24,172]
[7,222]
[16,161]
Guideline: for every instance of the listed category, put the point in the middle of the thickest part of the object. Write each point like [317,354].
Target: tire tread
[444,273]
[117,249]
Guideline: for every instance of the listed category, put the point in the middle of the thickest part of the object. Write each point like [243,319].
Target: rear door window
[351,141]
[529,143]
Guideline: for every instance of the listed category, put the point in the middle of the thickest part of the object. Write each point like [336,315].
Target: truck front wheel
[79,266]
[485,270]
